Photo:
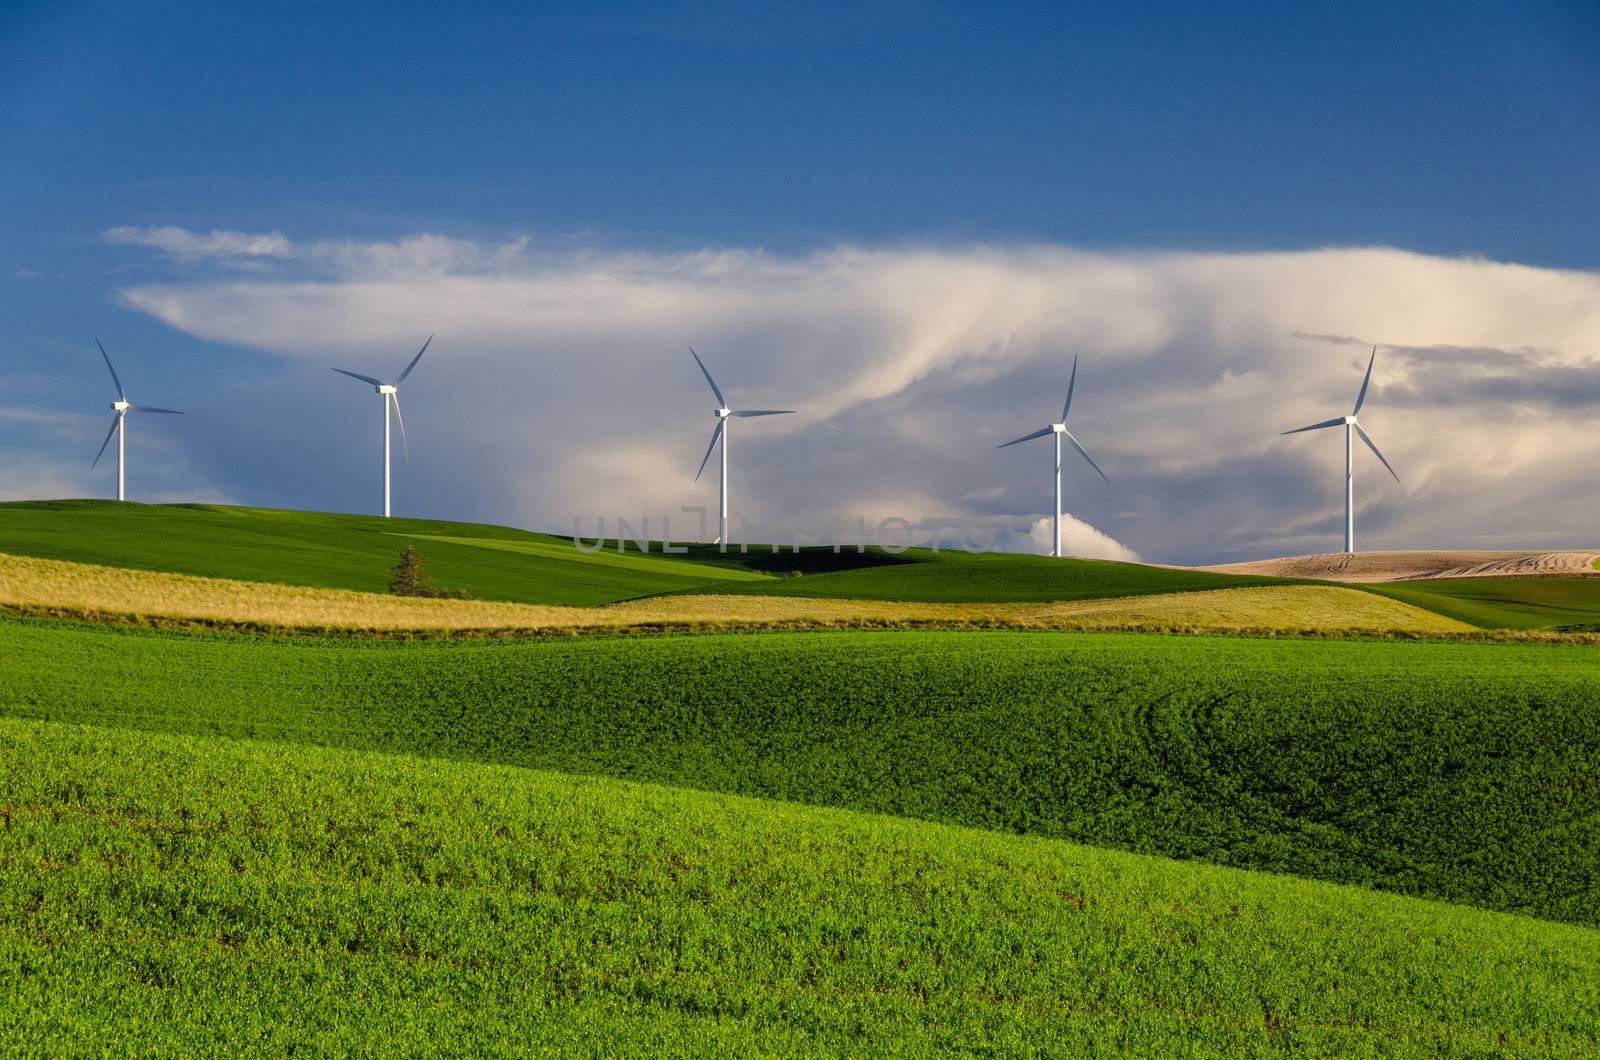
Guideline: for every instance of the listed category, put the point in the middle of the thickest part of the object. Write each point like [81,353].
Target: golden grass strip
[30,585]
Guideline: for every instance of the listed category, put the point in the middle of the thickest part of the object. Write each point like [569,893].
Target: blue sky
[1463,128]
[619,131]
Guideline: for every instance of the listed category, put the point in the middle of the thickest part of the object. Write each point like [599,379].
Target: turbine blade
[121,395]
[405,446]
[1362,397]
[358,375]
[107,442]
[1373,446]
[1317,426]
[766,412]
[1084,453]
[714,436]
[1070,384]
[714,389]
[413,363]
[1040,433]
[152,408]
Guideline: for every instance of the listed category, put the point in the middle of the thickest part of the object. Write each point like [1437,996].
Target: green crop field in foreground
[170,895]
[342,551]
[1460,771]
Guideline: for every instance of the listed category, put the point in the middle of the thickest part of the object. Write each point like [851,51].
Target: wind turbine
[1060,429]
[1350,423]
[391,399]
[723,414]
[119,426]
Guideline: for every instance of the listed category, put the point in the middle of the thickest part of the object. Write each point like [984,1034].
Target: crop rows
[1461,771]
[167,895]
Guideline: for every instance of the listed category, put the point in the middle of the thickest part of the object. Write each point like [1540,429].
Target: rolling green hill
[990,577]
[1451,770]
[169,895]
[343,551]
[1506,603]
[499,563]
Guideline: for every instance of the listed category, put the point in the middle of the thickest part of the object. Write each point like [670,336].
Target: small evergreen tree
[409,579]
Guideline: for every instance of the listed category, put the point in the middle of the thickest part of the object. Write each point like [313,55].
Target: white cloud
[1080,539]
[561,379]
[413,256]
[217,243]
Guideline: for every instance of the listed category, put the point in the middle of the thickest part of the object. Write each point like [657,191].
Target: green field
[821,843]
[1459,771]
[1506,603]
[342,551]
[499,563]
[172,895]
[989,577]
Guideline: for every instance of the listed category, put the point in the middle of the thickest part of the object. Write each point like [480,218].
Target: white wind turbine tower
[723,414]
[1060,429]
[1350,424]
[391,399]
[119,426]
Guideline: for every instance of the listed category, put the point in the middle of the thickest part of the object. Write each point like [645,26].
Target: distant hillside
[962,577]
[1421,564]
[336,551]
[498,563]
[1567,604]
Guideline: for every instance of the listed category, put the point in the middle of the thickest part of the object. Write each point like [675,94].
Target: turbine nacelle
[1058,428]
[1350,420]
[722,414]
[121,406]
[386,388]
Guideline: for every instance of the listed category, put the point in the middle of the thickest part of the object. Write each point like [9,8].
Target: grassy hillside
[498,563]
[1462,771]
[342,551]
[988,576]
[322,550]
[1506,603]
[63,589]
[179,895]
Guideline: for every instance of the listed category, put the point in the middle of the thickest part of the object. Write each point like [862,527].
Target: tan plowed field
[1408,566]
